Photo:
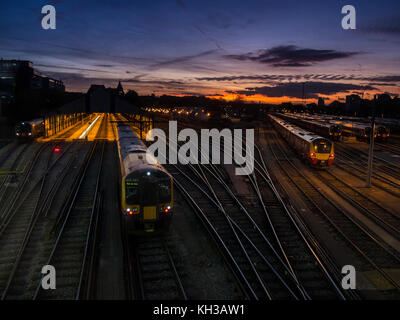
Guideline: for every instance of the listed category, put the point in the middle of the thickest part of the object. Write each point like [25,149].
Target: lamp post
[371,146]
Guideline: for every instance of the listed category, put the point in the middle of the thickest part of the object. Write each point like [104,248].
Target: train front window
[322,147]
[149,196]
[132,191]
[165,191]
[22,128]
[382,130]
[335,129]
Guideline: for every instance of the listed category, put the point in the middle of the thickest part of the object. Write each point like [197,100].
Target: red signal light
[57,149]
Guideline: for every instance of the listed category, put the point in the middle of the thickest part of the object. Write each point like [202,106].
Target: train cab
[335,133]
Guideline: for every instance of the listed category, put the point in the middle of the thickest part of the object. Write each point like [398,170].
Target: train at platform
[329,130]
[317,151]
[146,187]
[31,129]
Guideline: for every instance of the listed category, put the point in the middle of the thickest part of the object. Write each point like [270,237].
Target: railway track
[386,218]
[257,265]
[15,219]
[368,252]
[389,169]
[245,239]
[153,270]
[12,162]
[75,234]
[300,248]
[379,180]
[37,241]
[394,148]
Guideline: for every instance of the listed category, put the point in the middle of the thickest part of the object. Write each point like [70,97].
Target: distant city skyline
[267,51]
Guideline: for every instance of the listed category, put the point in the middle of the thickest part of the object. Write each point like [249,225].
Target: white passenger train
[29,129]
[315,150]
[146,188]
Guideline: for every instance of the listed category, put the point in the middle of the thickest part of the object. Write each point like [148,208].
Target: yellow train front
[319,152]
[146,187]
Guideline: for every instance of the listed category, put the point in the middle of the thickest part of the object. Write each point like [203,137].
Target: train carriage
[146,188]
[362,131]
[316,150]
[321,127]
[29,129]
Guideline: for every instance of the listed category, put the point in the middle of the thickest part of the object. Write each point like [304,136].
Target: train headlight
[148,173]
[165,209]
[131,211]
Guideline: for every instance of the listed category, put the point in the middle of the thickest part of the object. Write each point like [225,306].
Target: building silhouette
[18,77]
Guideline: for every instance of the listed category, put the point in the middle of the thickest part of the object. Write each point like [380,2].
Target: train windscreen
[322,146]
[335,128]
[382,130]
[23,128]
[132,191]
[165,190]
[148,194]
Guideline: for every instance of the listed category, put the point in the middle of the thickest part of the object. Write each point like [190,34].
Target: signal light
[29,134]
[57,149]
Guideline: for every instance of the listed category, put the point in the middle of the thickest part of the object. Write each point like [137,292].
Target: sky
[267,51]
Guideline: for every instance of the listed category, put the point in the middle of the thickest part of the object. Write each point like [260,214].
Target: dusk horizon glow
[260,51]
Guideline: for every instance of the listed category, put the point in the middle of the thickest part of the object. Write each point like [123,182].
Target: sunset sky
[257,50]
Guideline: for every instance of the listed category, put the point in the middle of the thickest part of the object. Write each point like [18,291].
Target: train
[29,129]
[329,130]
[362,131]
[146,187]
[317,151]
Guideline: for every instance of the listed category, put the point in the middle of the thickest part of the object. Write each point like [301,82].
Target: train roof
[303,134]
[133,152]
[321,123]
[31,122]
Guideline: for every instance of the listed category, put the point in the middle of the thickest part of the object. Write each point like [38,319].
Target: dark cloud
[291,56]
[391,78]
[308,90]
[385,79]
[70,68]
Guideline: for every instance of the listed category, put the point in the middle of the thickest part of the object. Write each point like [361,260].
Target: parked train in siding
[315,150]
[323,128]
[29,129]
[146,188]
[362,131]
